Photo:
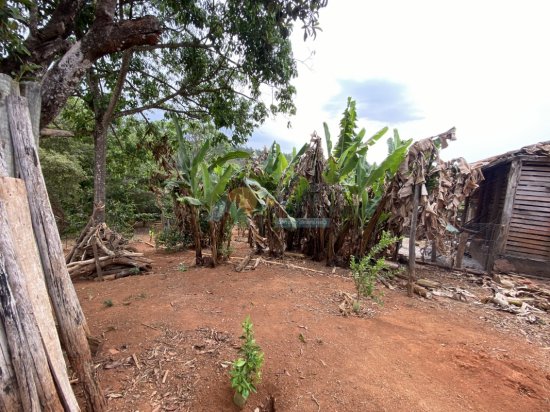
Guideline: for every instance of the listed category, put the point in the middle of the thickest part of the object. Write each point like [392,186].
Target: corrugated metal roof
[537,150]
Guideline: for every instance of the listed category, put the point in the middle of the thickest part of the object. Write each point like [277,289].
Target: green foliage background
[67,163]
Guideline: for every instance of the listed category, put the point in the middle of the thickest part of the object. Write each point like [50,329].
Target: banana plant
[362,182]
[211,196]
[347,170]
[375,183]
[350,148]
[200,183]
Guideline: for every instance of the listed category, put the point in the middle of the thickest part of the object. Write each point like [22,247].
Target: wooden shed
[509,215]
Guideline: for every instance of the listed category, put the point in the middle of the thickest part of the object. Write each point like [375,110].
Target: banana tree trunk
[214,243]
[369,233]
[195,227]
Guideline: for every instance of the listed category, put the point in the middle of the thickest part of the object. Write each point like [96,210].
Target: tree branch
[64,76]
[154,105]
[115,95]
[184,44]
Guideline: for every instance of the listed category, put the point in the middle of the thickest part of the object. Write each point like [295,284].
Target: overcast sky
[422,67]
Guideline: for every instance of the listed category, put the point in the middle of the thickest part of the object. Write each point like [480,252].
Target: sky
[423,67]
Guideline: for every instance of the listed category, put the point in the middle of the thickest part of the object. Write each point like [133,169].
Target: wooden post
[72,323]
[31,90]
[500,233]
[433,256]
[412,240]
[463,238]
[461,248]
[6,147]
[13,325]
[35,296]
[36,364]
[9,401]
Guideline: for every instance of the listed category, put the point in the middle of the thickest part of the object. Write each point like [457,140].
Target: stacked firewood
[103,254]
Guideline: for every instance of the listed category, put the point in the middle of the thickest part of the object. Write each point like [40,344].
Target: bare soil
[169,337]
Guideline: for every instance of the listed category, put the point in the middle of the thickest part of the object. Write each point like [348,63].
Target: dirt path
[407,355]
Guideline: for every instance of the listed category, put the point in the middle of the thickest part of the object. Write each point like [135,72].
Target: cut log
[13,193]
[17,344]
[244,262]
[9,401]
[45,132]
[67,308]
[428,284]
[419,290]
[21,327]
[98,269]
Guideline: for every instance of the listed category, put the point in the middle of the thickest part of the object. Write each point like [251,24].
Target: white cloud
[481,66]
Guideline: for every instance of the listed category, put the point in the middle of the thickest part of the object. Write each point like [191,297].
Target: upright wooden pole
[72,323]
[6,146]
[500,236]
[13,325]
[31,90]
[33,292]
[36,362]
[9,401]
[433,256]
[463,238]
[412,240]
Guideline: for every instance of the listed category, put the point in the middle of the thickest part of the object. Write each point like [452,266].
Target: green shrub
[366,271]
[172,239]
[246,370]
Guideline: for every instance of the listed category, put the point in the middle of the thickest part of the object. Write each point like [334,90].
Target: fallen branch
[244,262]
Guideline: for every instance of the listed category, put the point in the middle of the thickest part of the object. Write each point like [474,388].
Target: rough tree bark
[73,326]
[103,117]
[64,62]
[105,37]
[36,363]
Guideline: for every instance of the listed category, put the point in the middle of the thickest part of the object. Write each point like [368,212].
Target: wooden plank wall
[529,232]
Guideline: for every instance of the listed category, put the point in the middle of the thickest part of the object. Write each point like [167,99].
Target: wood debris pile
[516,295]
[346,305]
[520,298]
[104,254]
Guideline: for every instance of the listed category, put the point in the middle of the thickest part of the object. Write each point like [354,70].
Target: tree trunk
[100,171]
[214,243]
[103,117]
[197,235]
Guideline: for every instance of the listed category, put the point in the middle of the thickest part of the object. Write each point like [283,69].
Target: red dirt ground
[182,328]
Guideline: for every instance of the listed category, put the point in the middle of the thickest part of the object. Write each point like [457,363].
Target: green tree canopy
[203,59]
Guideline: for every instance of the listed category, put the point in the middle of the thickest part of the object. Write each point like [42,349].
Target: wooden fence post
[412,241]
[72,323]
